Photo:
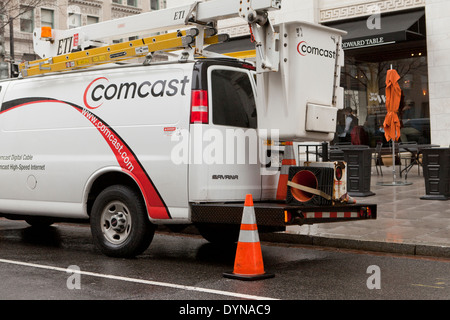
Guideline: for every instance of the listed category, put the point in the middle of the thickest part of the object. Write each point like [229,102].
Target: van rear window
[233,101]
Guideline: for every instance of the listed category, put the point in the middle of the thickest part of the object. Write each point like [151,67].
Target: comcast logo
[304,49]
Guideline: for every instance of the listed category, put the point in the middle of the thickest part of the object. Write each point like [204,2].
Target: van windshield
[233,100]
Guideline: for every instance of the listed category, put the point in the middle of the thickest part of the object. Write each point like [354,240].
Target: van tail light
[199,107]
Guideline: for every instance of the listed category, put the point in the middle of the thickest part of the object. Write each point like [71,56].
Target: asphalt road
[61,263]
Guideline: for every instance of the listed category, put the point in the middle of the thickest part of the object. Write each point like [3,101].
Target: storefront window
[365,94]
[401,47]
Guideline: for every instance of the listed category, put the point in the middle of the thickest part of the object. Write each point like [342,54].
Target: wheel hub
[116,222]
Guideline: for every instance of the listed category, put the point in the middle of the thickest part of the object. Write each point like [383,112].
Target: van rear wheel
[39,222]
[119,223]
[219,233]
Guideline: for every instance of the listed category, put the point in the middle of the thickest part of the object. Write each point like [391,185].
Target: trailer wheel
[119,222]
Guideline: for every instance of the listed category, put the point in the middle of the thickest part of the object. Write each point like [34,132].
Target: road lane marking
[140,281]
[427,286]
[439,284]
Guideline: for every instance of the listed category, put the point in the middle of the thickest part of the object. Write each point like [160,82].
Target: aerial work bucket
[301,100]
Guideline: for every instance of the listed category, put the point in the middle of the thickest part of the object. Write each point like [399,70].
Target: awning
[394,28]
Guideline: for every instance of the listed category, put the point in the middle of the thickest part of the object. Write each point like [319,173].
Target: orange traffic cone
[248,264]
[288,161]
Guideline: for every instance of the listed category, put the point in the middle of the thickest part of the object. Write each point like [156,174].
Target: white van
[131,147]
[99,144]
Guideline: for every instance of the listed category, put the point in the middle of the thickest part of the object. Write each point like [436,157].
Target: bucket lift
[298,64]
[84,46]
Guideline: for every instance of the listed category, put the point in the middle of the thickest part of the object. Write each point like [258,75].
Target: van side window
[233,101]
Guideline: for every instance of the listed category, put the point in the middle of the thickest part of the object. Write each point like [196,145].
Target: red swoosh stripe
[127,160]
[129,164]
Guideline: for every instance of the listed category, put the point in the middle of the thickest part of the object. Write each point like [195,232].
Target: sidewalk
[405,224]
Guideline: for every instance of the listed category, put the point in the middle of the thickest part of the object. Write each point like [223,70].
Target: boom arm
[199,14]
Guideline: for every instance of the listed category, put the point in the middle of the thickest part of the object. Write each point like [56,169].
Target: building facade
[62,14]
[411,36]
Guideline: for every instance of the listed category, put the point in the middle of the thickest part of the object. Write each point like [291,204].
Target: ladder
[82,47]
[119,52]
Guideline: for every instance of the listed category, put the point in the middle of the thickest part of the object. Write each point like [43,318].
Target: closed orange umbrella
[393,95]
[392,122]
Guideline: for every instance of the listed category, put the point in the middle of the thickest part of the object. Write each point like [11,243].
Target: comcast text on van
[101,89]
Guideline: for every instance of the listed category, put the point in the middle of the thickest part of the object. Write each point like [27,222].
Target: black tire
[219,233]
[39,222]
[120,225]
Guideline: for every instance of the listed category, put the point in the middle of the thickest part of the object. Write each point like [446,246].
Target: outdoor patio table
[415,150]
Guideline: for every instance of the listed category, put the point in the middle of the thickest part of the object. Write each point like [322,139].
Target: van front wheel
[119,223]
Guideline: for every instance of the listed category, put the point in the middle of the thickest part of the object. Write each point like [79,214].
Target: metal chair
[377,158]
[411,156]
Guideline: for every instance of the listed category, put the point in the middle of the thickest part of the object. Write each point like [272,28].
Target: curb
[426,250]
[366,245]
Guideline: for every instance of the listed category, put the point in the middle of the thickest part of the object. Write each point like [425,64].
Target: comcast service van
[134,146]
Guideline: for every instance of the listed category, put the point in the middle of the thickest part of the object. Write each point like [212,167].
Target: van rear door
[224,144]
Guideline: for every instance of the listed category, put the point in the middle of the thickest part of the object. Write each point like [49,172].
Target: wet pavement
[41,263]
[405,224]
